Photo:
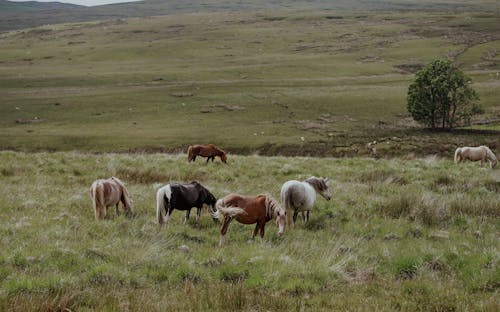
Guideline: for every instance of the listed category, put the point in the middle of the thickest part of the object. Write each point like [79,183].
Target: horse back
[186,196]
[254,207]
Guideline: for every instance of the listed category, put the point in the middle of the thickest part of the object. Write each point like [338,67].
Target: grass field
[403,231]
[416,234]
[310,83]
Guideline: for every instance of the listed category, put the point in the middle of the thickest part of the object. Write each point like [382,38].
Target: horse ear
[326,180]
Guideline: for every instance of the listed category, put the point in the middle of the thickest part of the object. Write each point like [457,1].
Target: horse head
[223,157]
[321,186]
[276,211]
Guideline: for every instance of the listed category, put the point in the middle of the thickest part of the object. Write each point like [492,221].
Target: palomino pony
[481,153]
[300,196]
[207,150]
[182,197]
[249,210]
[105,193]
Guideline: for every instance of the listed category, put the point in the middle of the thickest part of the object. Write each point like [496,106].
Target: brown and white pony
[207,150]
[249,210]
[482,153]
[108,192]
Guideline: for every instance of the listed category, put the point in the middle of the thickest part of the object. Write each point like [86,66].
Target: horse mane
[271,206]
[126,197]
[317,183]
[491,156]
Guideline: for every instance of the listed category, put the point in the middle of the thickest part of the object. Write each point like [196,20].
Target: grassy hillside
[317,83]
[397,235]
[24,16]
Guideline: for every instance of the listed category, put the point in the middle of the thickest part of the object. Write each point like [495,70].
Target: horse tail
[125,198]
[162,196]
[285,200]
[97,195]
[221,210]
[458,155]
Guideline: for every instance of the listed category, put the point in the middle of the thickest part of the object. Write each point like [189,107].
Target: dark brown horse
[249,210]
[182,197]
[207,150]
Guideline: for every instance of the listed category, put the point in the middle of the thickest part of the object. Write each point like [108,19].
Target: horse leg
[168,212]
[303,215]
[256,229]
[208,158]
[223,230]
[295,214]
[98,212]
[198,214]
[117,211]
[186,219]
[262,227]
[307,216]
[288,218]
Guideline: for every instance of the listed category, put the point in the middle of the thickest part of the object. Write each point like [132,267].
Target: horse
[249,210]
[208,150]
[481,153]
[182,197]
[108,192]
[300,196]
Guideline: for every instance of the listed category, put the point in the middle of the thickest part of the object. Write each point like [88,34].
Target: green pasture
[418,234]
[283,81]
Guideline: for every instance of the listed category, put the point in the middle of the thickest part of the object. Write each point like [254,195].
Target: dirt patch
[221,107]
[182,94]
[30,121]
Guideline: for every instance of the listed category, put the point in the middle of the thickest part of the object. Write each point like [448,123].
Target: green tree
[441,96]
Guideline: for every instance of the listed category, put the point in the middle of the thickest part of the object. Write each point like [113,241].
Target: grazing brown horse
[249,210]
[206,150]
[105,193]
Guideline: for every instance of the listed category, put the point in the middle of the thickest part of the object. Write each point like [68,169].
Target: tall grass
[396,235]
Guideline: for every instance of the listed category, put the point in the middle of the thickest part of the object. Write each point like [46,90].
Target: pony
[481,153]
[249,210]
[182,197]
[207,150]
[300,196]
[108,192]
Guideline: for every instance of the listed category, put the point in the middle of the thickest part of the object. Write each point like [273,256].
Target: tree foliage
[441,96]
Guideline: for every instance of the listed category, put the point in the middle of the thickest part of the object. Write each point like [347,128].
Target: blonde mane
[272,207]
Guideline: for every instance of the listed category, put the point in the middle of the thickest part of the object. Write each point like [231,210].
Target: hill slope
[23,15]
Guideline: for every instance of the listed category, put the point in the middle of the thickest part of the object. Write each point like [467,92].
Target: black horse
[182,197]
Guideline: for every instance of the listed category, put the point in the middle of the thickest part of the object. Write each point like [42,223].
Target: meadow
[418,234]
[320,83]
[405,230]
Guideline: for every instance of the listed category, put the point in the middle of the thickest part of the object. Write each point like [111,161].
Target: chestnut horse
[108,192]
[249,210]
[206,150]
[481,153]
[300,196]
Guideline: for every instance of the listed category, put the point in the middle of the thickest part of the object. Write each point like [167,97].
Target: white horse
[105,193]
[300,196]
[482,153]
